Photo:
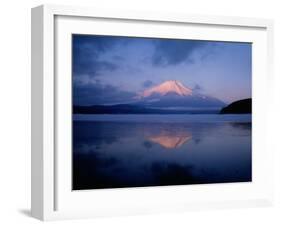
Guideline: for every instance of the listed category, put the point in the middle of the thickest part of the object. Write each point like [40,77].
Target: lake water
[113,151]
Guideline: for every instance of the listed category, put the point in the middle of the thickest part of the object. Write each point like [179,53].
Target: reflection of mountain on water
[115,154]
[171,141]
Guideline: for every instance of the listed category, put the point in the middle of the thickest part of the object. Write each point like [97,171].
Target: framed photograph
[137,112]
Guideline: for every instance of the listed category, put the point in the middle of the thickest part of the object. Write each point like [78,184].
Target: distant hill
[135,109]
[110,109]
[238,107]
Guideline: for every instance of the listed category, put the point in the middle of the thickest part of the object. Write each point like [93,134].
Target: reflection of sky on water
[115,154]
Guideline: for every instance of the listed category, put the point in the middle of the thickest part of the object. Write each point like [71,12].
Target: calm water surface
[112,151]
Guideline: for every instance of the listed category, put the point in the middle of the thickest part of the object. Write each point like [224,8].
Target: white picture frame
[52,197]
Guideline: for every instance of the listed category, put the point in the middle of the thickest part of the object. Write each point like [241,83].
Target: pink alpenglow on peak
[171,86]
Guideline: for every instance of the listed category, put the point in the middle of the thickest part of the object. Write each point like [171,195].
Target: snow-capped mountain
[173,94]
[169,97]
[168,87]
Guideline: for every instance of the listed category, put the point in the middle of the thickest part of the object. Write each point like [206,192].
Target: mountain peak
[170,86]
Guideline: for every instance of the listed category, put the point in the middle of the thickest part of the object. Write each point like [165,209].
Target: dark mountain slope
[238,107]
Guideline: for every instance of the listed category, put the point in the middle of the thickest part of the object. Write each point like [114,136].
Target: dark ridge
[109,109]
[238,107]
[133,109]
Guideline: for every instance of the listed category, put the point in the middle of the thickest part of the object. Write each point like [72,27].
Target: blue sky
[109,69]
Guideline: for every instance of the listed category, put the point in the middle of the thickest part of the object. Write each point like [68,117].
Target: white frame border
[43,94]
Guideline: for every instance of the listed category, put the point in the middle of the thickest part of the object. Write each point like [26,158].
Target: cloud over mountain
[129,64]
[175,51]
[87,50]
[99,94]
